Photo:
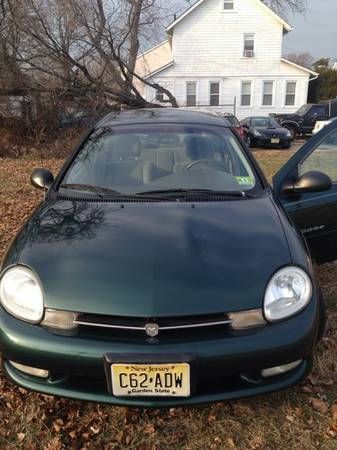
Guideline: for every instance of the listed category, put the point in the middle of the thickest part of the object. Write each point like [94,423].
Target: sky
[315,32]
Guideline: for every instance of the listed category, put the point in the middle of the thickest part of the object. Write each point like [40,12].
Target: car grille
[149,326]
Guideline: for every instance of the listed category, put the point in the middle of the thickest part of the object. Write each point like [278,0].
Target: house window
[291,93]
[268,87]
[228,5]
[246,93]
[214,94]
[249,45]
[159,96]
[191,93]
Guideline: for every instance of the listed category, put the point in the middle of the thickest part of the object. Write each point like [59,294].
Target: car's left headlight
[288,292]
[21,294]
[288,134]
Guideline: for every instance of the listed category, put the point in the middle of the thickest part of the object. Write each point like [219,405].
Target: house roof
[286,26]
[305,69]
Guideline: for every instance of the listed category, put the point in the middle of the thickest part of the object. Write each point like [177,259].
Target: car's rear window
[133,159]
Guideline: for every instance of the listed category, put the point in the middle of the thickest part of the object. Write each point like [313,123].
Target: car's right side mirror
[312,181]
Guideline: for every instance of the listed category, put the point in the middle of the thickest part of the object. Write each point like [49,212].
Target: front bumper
[224,368]
[266,141]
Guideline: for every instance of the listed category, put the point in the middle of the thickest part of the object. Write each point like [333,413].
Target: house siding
[207,45]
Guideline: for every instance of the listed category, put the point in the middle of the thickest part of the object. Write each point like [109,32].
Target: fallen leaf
[149,429]
[319,405]
[21,436]
[230,442]
[334,412]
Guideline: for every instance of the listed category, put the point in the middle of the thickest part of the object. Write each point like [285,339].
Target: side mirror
[312,181]
[42,179]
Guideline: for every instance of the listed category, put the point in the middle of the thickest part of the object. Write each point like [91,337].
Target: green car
[162,269]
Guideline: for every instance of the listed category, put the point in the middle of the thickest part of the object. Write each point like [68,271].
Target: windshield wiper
[91,188]
[184,192]
[103,192]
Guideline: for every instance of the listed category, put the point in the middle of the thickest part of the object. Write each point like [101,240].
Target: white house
[224,52]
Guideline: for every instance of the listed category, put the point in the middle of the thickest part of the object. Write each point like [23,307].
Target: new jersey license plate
[275,140]
[152,380]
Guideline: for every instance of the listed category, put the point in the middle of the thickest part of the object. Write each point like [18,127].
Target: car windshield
[303,110]
[264,122]
[135,160]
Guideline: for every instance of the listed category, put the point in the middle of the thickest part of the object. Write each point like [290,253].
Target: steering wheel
[207,162]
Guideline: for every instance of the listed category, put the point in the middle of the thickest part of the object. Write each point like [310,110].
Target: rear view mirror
[312,181]
[42,179]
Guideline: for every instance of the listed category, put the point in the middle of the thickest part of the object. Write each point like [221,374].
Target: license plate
[275,140]
[152,380]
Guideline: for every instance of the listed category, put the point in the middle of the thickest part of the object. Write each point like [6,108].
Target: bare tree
[85,44]
[302,59]
[284,6]
[11,75]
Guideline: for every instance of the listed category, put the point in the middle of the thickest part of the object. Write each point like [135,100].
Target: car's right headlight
[21,294]
[288,292]
[256,133]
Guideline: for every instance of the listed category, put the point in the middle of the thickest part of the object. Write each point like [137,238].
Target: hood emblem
[152,329]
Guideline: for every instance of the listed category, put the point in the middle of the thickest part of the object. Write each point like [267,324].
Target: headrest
[199,147]
[126,146]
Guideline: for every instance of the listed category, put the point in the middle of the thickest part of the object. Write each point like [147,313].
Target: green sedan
[162,269]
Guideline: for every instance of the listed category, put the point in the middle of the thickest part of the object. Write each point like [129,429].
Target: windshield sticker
[247,181]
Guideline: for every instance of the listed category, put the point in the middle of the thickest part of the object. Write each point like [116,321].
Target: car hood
[153,259]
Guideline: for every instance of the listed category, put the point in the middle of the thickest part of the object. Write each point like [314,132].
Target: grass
[304,417]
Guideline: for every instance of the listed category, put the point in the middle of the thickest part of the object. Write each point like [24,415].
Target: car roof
[259,117]
[162,115]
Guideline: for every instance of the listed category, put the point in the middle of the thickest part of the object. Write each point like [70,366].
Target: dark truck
[303,121]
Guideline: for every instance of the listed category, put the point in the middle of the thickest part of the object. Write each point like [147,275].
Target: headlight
[256,133]
[288,134]
[21,294]
[288,292]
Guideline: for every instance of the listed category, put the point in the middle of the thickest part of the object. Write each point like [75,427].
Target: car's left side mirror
[312,181]
[42,179]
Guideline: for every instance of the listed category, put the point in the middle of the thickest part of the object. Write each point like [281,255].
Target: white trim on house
[151,74]
[272,94]
[153,48]
[299,67]
[294,80]
[286,25]
[215,81]
[252,90]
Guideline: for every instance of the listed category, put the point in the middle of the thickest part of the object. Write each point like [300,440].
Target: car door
[313,213]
